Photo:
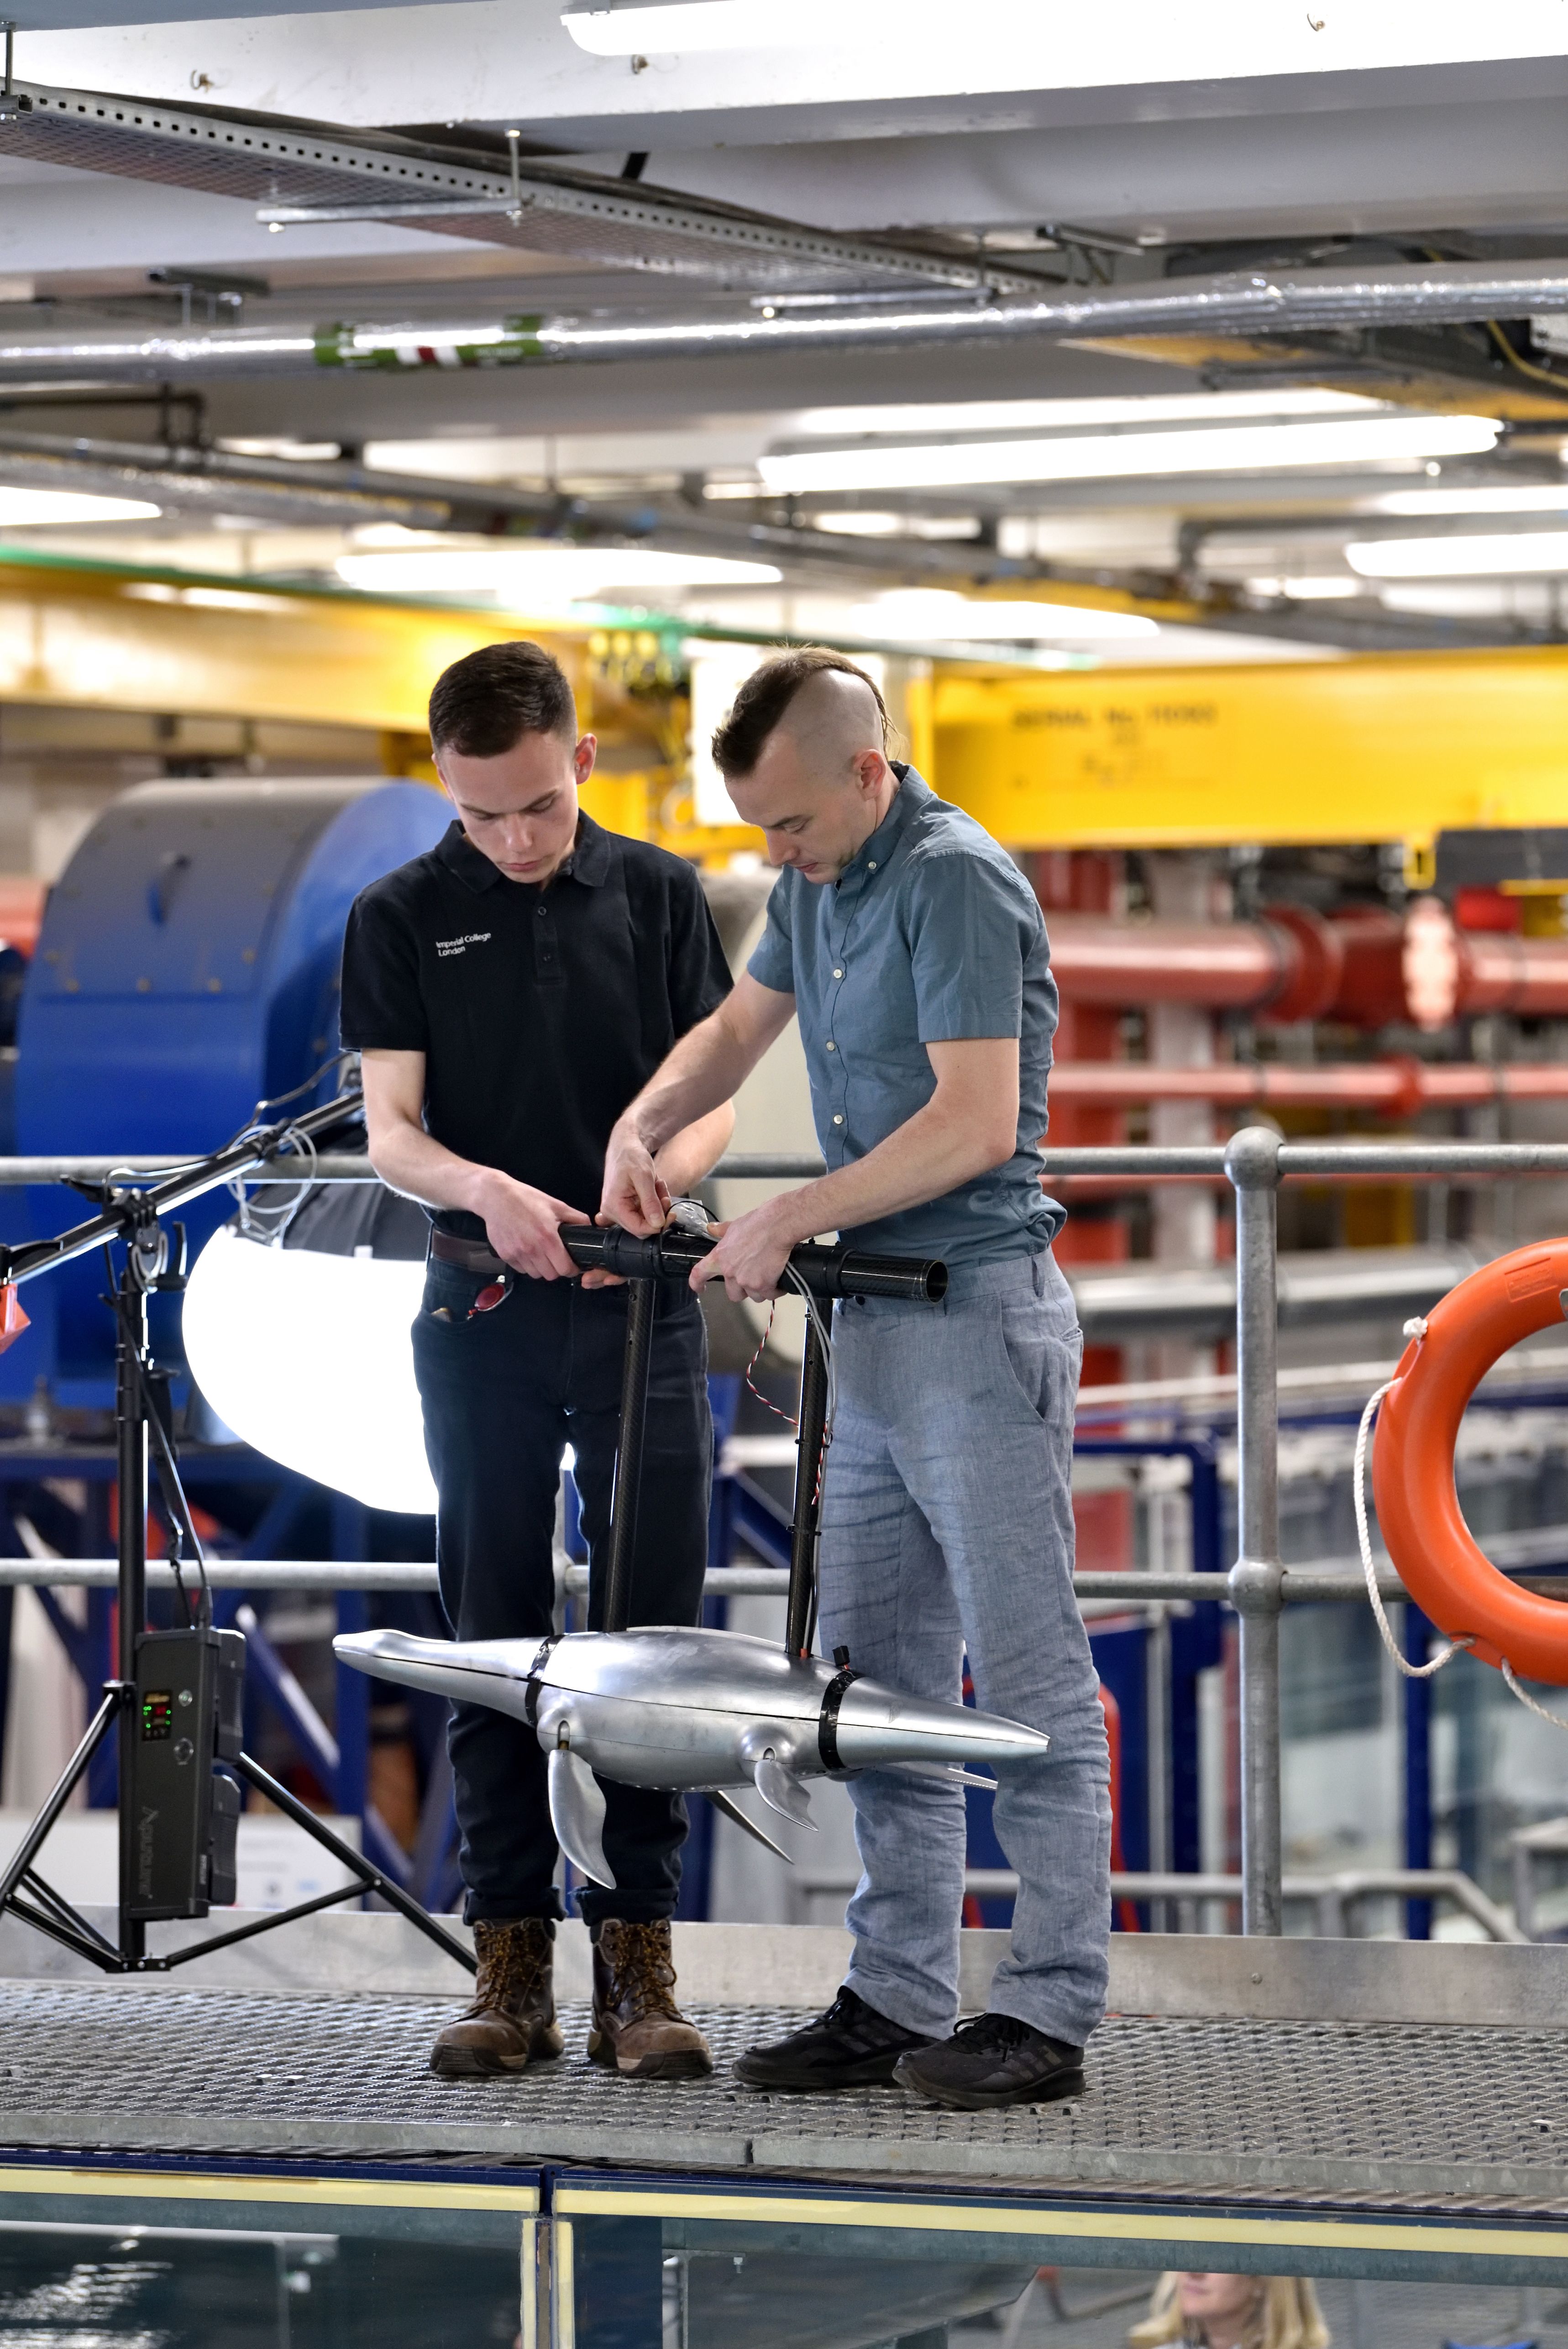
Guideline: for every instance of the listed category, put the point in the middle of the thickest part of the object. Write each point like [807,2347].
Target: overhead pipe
[1256,302]
[1397,1087]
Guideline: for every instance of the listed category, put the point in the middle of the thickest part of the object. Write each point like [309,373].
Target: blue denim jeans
[947,1530]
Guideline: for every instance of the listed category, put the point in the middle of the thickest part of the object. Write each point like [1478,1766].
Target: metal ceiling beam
[304,172]
[202,482]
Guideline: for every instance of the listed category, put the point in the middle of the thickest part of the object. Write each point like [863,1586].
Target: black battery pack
[182,1812]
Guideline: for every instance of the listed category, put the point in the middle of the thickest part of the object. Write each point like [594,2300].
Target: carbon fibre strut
[670,1254]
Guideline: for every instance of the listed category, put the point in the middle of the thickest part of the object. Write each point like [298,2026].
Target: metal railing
[1331,1898]
[1258,1586]
[350,1166]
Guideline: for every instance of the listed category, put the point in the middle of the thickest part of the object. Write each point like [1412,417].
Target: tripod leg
[369,1874]
[131,1432]
[640,1301]
[28,1849]
[807,1495]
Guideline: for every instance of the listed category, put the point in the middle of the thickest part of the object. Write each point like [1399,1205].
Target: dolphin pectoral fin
[577,1815]
[731,1809]
[781,1790]
[951,1776]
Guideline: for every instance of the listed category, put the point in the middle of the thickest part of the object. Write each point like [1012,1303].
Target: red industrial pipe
[1292,965]
[1452,973]
[1390,1088]
[1364,967]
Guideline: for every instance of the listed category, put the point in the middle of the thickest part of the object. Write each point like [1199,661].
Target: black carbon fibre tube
[640,1300]
[810,1429]
[825,1271]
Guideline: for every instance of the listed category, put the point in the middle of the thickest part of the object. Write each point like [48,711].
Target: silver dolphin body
[694,1711]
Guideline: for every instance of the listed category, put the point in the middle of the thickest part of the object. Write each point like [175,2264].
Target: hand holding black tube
[827,1272]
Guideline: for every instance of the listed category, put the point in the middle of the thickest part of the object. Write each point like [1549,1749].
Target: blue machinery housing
[187,969]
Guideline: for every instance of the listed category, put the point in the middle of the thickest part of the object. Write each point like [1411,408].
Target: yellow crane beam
[1372,747]
[1380,747]
[98,636]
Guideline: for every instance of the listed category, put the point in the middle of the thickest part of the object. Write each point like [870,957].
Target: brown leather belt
[473,1256]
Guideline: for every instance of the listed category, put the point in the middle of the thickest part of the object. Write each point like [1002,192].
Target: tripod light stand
[176,1810]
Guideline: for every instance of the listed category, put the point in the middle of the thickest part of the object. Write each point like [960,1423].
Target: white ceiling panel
[992,66]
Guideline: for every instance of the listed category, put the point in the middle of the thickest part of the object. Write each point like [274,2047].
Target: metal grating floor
[1359,2108]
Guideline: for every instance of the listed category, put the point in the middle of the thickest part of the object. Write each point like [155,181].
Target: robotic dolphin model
[694,1710]
[702,1711]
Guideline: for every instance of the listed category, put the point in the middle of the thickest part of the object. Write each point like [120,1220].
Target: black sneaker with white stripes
[997,2059]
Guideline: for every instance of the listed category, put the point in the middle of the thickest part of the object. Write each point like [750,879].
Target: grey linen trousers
[947,1530]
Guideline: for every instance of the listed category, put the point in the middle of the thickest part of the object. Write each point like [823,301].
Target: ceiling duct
[1237,303]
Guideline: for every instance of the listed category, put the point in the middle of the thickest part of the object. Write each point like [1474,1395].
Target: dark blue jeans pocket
[449,1292]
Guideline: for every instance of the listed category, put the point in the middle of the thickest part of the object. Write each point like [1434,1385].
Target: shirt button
[838,974]
[541,913]
[831,1046]
[838,1121]
[870,868]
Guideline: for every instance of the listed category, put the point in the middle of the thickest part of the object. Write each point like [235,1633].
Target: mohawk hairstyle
[767,694]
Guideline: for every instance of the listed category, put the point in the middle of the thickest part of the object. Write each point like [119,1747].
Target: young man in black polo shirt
[509,992]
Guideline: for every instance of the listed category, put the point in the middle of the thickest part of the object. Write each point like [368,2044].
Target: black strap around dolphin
[531,1702]
[832,1698]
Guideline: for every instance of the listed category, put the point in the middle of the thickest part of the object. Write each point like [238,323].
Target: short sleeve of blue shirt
[772,962]
[971,924]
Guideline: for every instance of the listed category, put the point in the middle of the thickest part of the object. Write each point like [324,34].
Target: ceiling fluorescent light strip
[1499,554]
[1262,448]
[569,575]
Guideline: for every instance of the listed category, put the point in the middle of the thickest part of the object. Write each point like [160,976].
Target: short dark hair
[485,703]
[767,695]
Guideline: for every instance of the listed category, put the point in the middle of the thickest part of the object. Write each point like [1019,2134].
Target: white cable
[1402,1663]
[826,1342]
[1417,1328]
[1529,1701]
[270,1224]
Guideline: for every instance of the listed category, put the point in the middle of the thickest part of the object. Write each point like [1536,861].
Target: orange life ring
[1434,1553]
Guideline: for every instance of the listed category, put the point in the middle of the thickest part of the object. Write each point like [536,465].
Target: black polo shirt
[541,1011]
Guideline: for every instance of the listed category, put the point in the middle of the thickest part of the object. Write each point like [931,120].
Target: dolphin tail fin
[731,1809]
[577,1815]
[781,1790]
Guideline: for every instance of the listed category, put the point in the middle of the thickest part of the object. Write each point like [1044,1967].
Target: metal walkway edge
[1174,2103]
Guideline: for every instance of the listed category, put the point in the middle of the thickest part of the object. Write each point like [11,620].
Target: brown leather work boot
[637,2029]
[511,2022]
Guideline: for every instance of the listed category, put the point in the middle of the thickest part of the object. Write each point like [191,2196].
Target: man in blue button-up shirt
[914,956]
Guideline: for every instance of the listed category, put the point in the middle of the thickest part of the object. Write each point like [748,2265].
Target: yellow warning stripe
[345,2193]
[1036,2218]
